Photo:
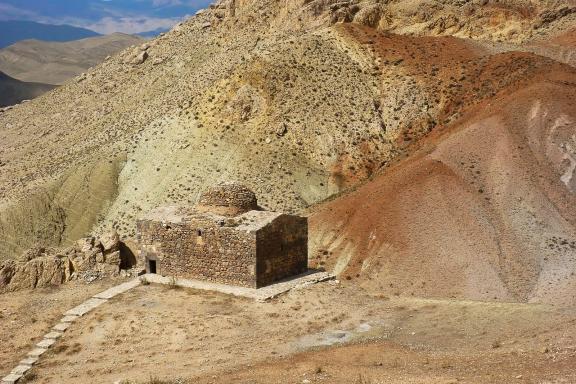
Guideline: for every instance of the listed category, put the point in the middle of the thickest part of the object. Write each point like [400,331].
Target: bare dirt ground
[25,316]
[326,333]
[386,362]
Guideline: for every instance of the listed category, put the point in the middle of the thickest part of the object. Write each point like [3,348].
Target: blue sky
[103,16]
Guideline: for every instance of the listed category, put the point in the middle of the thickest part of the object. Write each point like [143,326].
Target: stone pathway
[57,330]
[259,294]
[71,316]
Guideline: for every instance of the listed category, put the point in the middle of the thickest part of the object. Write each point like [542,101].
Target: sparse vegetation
[59,348]
[155,380]
[172,283]
[29,377]
[363,379]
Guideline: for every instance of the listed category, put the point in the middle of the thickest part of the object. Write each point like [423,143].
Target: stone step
[11,379]
[114,291]
[37,352]
[53,335]
[46,343]
[29,361]
[61,327]
[69,319]
[21,369]
[85,307]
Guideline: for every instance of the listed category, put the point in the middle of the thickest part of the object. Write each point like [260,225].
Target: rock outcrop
[88,259]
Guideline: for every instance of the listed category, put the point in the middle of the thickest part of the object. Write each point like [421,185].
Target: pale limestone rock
[7,270]
[39,272]
[140,58]
[113,258]
[37,352]
[85,244]
[110,242]
[281,129]
[40,267]
[108,270]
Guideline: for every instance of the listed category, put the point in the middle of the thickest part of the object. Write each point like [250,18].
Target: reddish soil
[484,209]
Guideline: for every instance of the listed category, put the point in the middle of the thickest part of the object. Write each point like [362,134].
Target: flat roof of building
[249,221]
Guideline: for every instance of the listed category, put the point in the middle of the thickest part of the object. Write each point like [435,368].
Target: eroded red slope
[483,210]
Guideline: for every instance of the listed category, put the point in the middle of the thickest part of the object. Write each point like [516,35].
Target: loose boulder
[110,242]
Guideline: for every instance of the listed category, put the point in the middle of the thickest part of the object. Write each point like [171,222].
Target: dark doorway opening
[151,266]
[127,257]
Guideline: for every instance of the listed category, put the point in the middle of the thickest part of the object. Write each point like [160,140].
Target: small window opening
[200,232]
[151,266]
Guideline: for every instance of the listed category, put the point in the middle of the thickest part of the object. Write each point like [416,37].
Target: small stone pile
[89,259]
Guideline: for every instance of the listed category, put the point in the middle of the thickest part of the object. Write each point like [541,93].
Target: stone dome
[228,199]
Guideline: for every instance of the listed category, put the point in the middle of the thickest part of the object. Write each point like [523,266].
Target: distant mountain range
[14,31]
[56,62]
[36,57]
[154,33]
[14,91]
[17,30]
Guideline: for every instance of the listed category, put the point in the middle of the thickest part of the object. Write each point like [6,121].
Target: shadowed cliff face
[300,101]
[13,91]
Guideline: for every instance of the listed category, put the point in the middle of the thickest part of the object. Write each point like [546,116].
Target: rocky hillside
[300,100]
[483,210]
[56,62]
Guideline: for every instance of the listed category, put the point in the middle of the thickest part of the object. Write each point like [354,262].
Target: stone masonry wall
[200,249]
[282,249]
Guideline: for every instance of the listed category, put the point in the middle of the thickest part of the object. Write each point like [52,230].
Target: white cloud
[131,25]
[110,19]
[162,3]
[9,12]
